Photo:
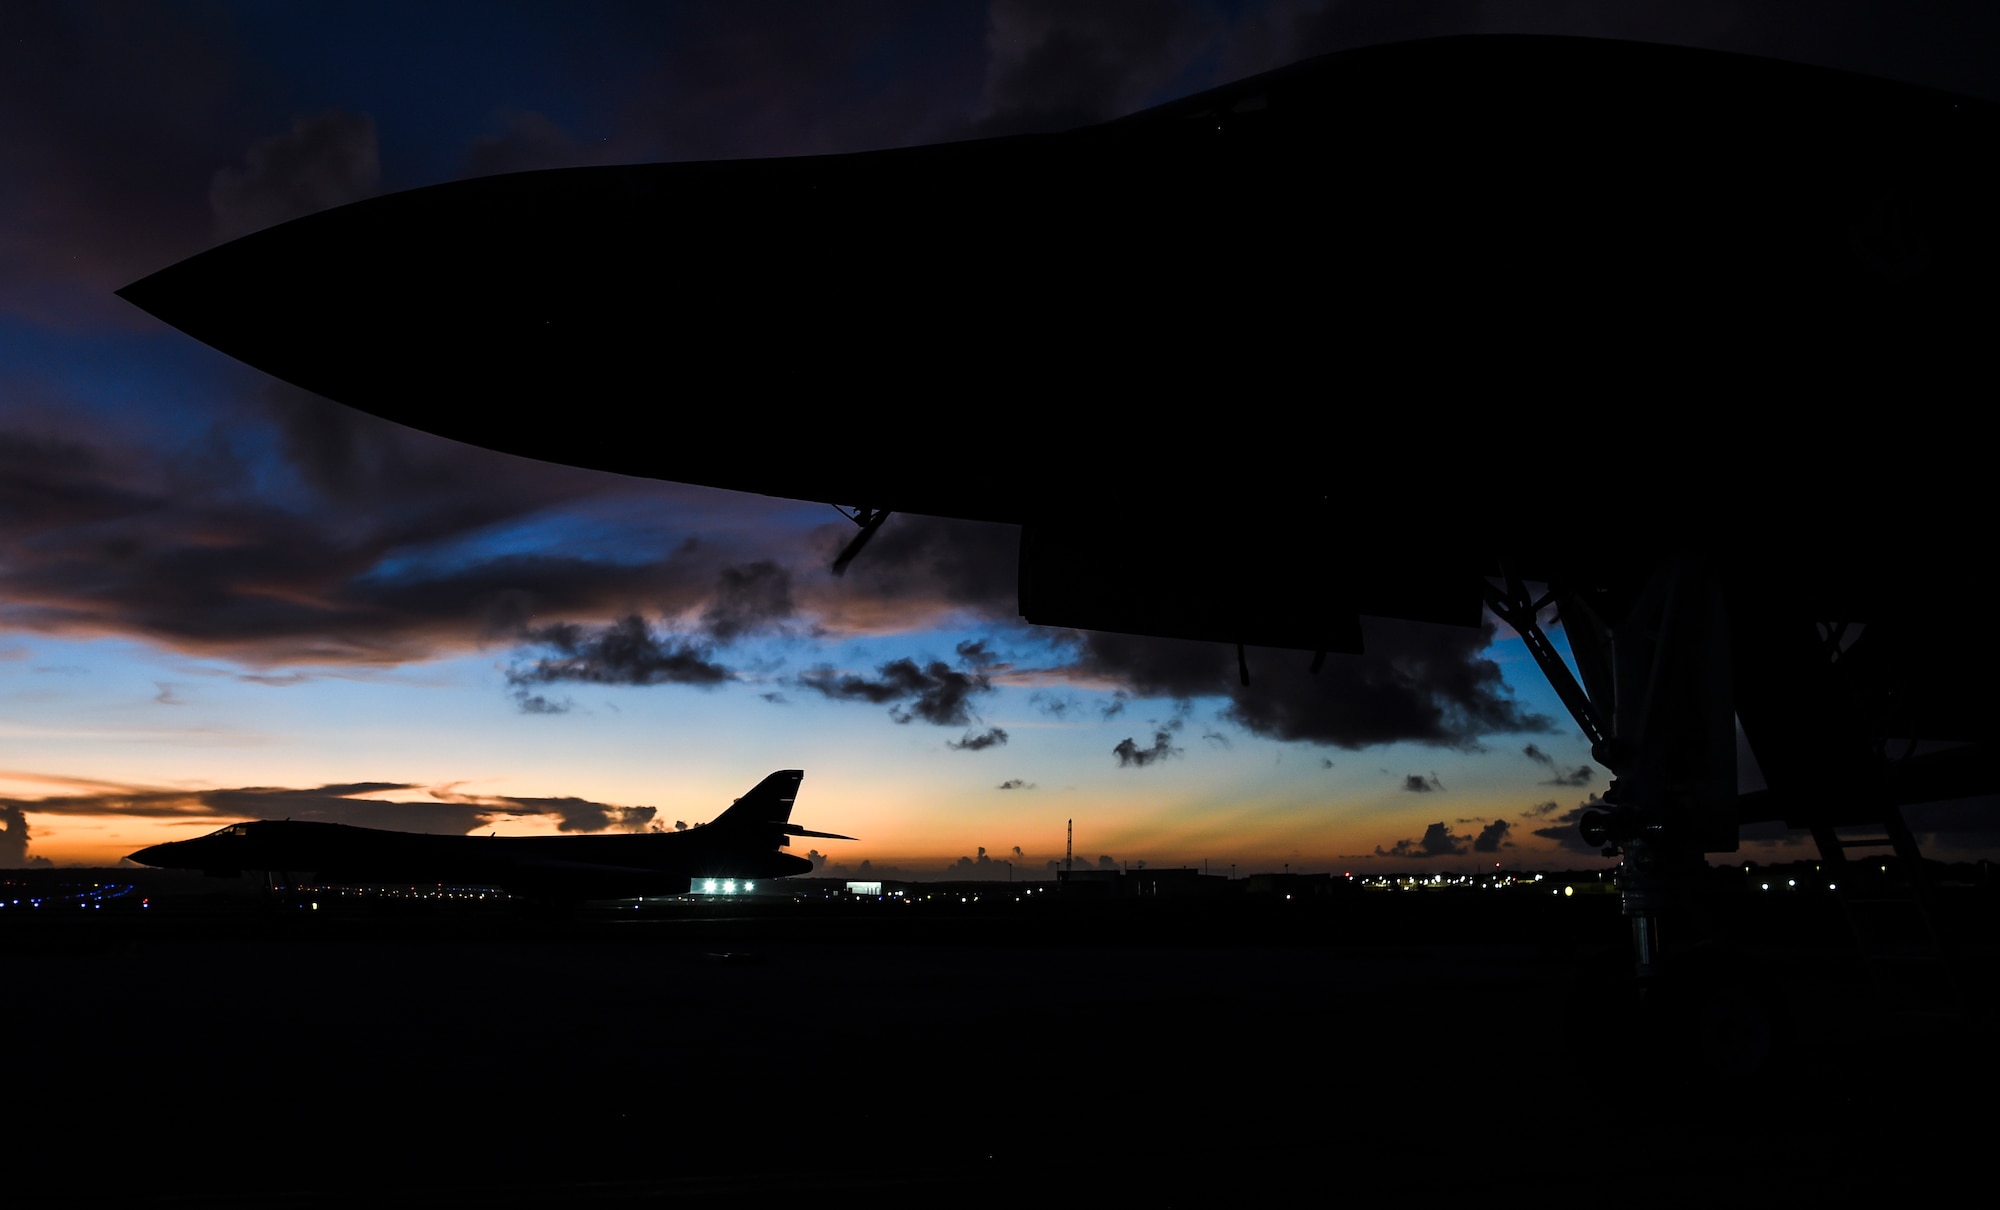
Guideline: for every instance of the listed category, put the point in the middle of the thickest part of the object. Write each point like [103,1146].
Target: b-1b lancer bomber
[744,842]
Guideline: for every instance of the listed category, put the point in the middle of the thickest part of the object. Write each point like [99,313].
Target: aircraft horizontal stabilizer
[791,829]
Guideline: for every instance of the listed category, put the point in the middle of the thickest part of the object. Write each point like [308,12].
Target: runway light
[1568,891]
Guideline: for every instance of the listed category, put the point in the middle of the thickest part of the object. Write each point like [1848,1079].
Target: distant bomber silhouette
[741,843]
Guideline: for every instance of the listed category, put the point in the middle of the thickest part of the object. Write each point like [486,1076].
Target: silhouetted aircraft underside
[1681,343]
[744,842]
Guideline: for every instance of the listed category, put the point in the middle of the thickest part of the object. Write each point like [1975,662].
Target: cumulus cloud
[1056,706]
[14,838]
[748,599]
[624,652]
[983,866]
[992,737]
[1415,682]
[1131,755]
[935,692]
[1491,837]
[325,160]
[1437,841]
[535,703]
[1563,828]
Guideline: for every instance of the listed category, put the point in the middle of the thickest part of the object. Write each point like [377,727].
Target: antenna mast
[1069,847]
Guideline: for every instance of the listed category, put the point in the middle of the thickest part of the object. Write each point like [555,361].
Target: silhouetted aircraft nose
[153,855]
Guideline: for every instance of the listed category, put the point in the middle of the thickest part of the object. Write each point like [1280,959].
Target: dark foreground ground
[1430,1046]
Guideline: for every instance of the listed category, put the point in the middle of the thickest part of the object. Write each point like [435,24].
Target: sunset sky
[222,598]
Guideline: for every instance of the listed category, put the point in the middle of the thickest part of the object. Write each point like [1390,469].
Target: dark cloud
[1015,783]
[1106,863]
[748,599]
[974,654]
[1563,828]
[1116,706]
[992,737]
[13,837]
[166,696]
[936,693]
[625,652]
[1218,739]
[525,141]
[1540,757]
[571,814]
[1491,837]
[1416,682]
[1057,65]
[919,570]
[364,543]
[1580,776]
[444,810]
[535,703]
[1539,810]
[117,113]
[764,79]
[1438,841]
[983,866]
[1130,754]
[1054,705]
[1326,762]
[1417,783]
[325,160]
[776,698]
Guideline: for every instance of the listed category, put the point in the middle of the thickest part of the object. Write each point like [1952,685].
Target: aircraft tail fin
[769,801]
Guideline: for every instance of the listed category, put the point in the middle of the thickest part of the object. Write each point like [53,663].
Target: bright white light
[1767,886]
[709,886]
[729,887]
[1568,891]
[749,886]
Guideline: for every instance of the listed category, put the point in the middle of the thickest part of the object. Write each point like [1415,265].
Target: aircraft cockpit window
[235,829]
